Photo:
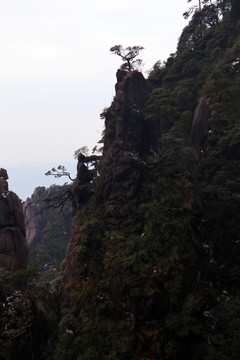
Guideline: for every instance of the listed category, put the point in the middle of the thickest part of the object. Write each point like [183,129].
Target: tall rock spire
[13,245]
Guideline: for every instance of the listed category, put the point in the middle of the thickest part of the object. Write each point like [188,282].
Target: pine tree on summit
[128,55]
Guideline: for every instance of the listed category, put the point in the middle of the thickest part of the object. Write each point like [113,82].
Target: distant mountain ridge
[47,228]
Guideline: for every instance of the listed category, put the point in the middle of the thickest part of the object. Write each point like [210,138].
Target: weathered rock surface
[122,166]
[115,185]
[110,257]
[132,91]
[13,245]
[199,129]
[34,214]
[47,228]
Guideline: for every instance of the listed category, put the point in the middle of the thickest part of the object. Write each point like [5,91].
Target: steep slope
[152,265]
[131,247]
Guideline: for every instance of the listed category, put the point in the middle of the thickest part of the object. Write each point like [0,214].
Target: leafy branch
[59,172]
[128,55]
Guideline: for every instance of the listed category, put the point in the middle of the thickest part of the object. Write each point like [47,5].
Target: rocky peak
[3,180]
[112,189]
[13,245]
[126,123]
[122,165]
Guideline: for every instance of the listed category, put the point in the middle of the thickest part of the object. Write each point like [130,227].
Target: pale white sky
[57,74]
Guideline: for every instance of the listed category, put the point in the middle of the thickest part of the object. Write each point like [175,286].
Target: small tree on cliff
[128,55]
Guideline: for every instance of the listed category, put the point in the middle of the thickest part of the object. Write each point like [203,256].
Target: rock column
[13,245]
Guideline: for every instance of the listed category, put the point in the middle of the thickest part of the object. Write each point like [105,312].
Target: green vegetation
[163,284]
[152,271]
[30,312]
[128,55]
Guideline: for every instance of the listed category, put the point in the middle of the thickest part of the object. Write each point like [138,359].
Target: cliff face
[127,255]
[47,228]
[33,214]
[13,245]
[117,178]
[122,165]
[152,265]
[128,128]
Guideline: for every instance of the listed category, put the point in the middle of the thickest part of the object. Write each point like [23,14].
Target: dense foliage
[30,311]
[128,55]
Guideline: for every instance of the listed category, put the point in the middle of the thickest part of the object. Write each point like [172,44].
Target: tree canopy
[128,55]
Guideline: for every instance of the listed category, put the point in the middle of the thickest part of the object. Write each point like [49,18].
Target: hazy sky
[57,74]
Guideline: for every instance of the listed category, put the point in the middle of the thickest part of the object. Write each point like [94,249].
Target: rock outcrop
[126,240]
[120,170]
[113,187]
[13,245]
[128,130]
[122,166]
[198,135]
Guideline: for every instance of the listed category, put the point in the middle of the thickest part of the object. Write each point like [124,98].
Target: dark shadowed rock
[131,95]
[108,231]
[200,125]
[3,174]
[118,176]
[122,165]
[13,245]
